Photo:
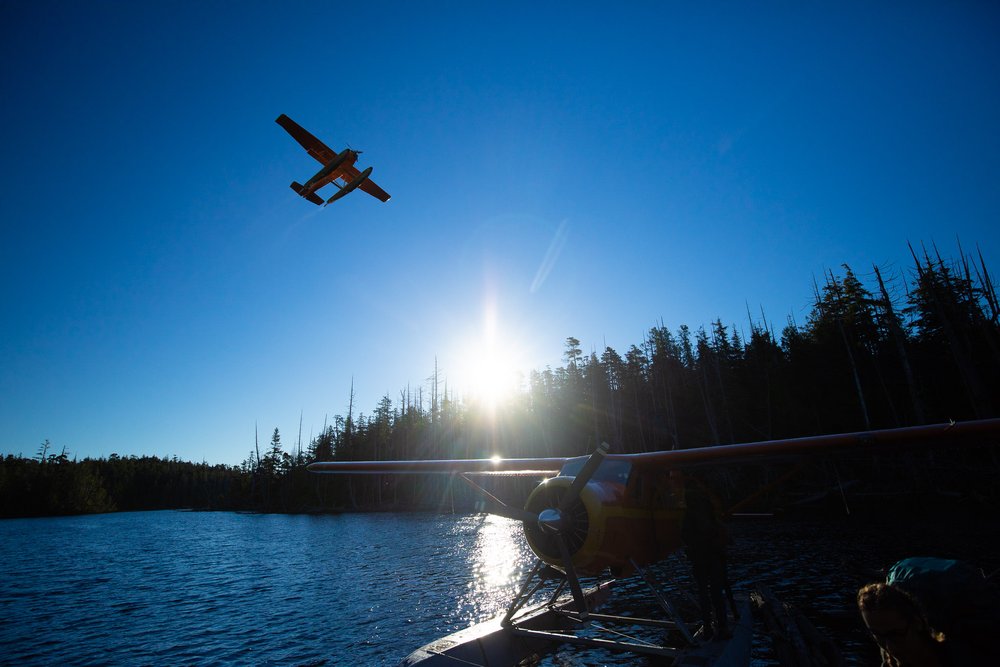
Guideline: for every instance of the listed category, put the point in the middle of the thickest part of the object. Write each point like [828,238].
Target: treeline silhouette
[921,346]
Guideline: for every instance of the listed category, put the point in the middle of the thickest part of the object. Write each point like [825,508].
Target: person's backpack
[956,598]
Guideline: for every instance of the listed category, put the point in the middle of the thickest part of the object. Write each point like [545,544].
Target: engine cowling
[584,524]
[603,529]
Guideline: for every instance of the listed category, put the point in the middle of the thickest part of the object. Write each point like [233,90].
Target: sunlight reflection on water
[496,554]
[492,556]
[496,559]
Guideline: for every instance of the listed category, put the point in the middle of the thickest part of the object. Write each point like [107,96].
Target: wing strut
[499,507]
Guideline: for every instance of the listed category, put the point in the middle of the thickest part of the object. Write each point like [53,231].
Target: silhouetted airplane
[335,165]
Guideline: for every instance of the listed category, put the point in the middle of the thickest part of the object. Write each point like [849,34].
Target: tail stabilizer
[311,196]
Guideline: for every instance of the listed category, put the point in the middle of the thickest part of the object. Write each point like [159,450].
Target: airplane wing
[351,172]
[313,146]
[526,467]
[985,431]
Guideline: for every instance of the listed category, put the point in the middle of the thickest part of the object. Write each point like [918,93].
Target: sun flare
[490,379]
[489,366]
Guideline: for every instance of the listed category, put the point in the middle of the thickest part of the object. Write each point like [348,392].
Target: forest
[918,347]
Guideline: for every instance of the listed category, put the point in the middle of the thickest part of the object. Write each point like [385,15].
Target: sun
[489,364]
[490,376]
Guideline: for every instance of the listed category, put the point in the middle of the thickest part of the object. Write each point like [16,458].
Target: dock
[490,644]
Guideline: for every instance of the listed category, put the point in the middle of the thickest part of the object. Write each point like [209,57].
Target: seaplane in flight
[616,514]
[335,166]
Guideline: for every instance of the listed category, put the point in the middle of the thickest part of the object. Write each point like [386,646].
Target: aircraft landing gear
[571,618]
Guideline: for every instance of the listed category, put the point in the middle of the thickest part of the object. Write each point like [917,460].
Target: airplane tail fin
[311,196]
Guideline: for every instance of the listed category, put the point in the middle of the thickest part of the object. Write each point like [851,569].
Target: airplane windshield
[608,471]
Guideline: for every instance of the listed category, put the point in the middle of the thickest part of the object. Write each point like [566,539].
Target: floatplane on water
[616,514]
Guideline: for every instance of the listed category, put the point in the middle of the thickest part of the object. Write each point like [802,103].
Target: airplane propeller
[558,521]
[555,520]
[580,481]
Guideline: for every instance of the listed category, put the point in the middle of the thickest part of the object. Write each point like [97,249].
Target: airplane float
[623,512]
[335,166]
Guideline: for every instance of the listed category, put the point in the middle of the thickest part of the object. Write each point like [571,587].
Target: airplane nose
[551,520]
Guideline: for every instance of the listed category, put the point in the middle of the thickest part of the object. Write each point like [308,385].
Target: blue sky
[556,169]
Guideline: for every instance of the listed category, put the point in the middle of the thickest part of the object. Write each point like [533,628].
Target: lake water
[365,589]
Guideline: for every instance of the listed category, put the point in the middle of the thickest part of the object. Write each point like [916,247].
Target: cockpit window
[609,471]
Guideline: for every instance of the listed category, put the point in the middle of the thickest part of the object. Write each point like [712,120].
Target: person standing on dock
[705,539]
